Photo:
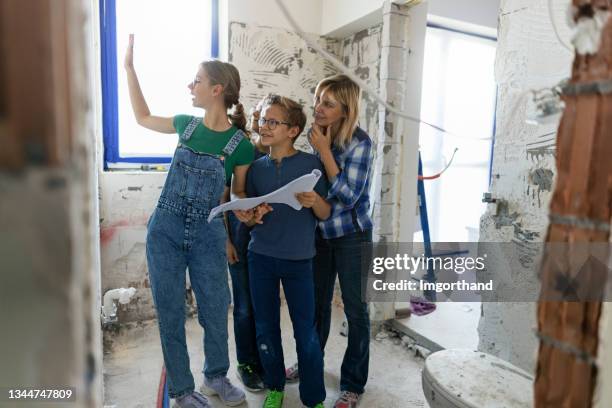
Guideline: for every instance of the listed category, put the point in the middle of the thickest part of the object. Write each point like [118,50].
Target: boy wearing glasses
[281,250]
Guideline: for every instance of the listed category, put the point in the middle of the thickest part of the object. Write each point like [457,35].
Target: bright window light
[459,94]
[171,39]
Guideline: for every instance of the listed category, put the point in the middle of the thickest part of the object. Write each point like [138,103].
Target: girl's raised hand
[320,138]
[129,54]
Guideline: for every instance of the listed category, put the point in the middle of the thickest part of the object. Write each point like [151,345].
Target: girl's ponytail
[238,117]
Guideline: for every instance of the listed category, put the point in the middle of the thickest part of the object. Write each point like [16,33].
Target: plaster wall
[528,57]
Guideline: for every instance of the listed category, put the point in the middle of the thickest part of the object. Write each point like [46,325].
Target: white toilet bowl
[471,379]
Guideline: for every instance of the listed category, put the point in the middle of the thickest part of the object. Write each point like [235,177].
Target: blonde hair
[348,94]
[227,75]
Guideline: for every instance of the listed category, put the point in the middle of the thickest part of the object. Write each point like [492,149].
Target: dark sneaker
[193,400]
[347,399]
[221,386]
[274,399]
[250,378]
[292,374]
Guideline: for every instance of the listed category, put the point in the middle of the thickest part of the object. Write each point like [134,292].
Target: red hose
[160,389]
[435,176]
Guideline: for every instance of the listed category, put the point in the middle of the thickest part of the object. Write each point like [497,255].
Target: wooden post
[580,212]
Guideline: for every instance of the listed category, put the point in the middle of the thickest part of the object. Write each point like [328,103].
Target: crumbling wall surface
[580,212]
[128,199]
[361,53]
[274,60]
[528,57]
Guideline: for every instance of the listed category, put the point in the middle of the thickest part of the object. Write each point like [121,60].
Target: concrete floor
[133,362]
[451,325]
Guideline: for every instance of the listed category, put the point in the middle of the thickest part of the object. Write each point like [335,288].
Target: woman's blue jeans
[342,257]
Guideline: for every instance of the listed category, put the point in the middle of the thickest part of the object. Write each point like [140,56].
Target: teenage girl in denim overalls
[210,151]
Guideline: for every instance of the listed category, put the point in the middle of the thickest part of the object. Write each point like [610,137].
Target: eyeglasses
[272,123]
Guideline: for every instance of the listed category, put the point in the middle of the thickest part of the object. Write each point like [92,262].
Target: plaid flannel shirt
[349,193]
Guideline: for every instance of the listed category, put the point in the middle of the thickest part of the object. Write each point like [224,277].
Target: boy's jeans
[342,256]
[266,274]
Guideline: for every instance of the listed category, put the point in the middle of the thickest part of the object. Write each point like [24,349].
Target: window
[459,94]
[171,39]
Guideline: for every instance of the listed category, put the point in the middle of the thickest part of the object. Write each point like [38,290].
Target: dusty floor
[132,368]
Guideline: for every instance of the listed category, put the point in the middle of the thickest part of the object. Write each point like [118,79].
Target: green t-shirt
[205,140]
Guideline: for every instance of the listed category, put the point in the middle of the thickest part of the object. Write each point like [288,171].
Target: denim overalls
[179,238]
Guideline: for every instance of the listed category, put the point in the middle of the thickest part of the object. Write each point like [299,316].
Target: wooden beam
[566,374]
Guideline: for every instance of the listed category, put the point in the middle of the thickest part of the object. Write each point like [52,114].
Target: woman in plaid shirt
[346,153]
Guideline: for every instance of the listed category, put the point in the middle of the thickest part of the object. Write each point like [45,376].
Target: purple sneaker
[193,400]
[221,386]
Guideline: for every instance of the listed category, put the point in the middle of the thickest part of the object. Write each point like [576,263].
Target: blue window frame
[110,92]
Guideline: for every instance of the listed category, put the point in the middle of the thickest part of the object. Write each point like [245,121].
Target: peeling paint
[360,35]
[503,218]
[389,129]
[523,234]
[540,153]
[363,72]
[543,179]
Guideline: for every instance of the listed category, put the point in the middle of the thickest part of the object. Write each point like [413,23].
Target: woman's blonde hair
[348,94]
[227,75]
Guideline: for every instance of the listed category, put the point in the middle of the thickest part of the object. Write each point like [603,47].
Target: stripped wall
[528,57]
[274,60]
[361,52]
[127,201]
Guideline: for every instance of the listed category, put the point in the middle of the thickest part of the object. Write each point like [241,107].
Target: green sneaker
[274,399]
[319,405]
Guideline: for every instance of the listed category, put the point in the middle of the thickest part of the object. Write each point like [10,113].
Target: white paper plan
[284,195]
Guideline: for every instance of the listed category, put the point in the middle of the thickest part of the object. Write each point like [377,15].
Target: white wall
[267,13]
[480,12]
[336,14]
[341,17]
